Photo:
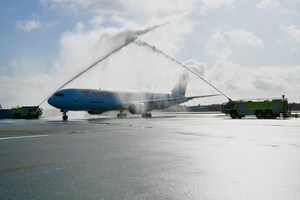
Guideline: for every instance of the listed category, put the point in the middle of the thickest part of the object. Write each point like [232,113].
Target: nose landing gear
[65,116]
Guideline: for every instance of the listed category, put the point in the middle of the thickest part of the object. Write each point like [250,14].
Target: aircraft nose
[51,101]
[54,101]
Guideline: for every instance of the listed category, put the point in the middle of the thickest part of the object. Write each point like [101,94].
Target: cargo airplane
[99,101]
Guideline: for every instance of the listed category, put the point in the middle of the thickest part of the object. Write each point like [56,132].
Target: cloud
[291,32]
[263,4]
[27,65]
[171,37]
[24,91]
[255,82]
[129,7]
[198,67]
[97,21]
[216,46]
[243,37]
[224,41]
[29,24]
[215,5]
[79,27]
[33,23]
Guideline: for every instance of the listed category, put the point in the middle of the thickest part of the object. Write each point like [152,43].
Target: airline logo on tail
[180,87]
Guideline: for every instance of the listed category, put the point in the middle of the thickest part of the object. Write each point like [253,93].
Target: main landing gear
[124,115]
[65,116]
[146,115]
[121,114]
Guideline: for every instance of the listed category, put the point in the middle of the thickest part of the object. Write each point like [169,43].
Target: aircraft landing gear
[65,116]
[121,114]
[146,115]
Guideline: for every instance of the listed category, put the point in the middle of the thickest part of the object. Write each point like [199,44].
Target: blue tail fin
[180,87]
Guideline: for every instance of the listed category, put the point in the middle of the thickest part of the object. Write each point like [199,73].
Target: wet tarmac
[170,156]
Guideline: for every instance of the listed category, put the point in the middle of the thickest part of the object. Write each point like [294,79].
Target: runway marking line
[22,137]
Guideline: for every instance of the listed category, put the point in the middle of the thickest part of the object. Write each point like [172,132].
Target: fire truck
[28,112]
[261,108]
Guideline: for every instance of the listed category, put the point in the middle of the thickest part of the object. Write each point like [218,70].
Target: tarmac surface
[169,156]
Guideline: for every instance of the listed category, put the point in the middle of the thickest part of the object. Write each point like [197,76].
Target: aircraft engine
[163,105]
[137,108]
[93,112]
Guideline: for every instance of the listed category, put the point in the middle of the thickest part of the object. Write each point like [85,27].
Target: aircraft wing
[177,99]
[195,97]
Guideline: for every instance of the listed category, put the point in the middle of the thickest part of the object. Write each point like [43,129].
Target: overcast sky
[246,48]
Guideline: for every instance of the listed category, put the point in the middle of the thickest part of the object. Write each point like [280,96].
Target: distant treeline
[213,107]
[294,106]
[198,108]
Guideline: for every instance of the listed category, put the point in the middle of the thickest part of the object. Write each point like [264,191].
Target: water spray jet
[156,50]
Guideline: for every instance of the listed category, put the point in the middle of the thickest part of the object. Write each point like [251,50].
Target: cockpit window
[58,95]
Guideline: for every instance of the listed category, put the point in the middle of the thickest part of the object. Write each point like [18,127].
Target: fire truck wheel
[268,114]
[233,114]
[259,114]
